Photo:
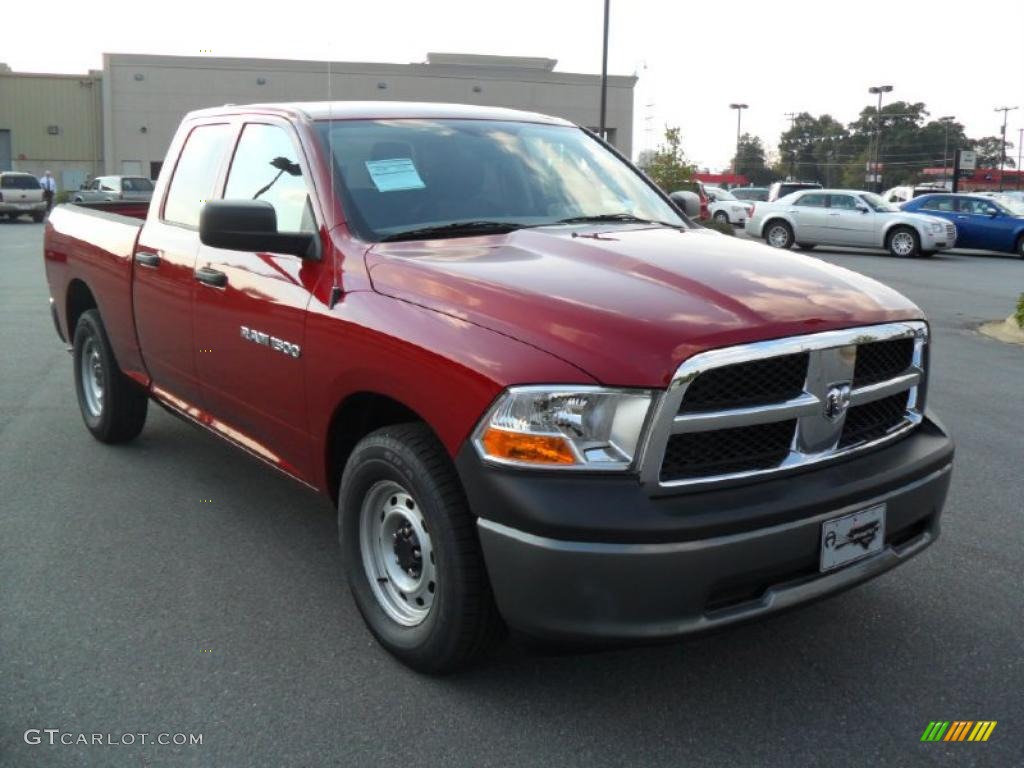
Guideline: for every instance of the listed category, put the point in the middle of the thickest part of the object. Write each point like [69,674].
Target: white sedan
[849,218]
[726,208]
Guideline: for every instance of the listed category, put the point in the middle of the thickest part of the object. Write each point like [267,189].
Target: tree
[667,164]
[990,152]
[750,161]
[809,148]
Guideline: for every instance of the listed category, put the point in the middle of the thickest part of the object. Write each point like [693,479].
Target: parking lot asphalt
[128,604]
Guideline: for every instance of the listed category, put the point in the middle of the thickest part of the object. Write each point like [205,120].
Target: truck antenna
[336,286]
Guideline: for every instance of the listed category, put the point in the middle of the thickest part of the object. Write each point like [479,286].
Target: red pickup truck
[540,396]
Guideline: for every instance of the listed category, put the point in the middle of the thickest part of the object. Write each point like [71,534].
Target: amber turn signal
[535,449]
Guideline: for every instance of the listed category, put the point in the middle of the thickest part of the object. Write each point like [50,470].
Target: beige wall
[29,103]
[172,86]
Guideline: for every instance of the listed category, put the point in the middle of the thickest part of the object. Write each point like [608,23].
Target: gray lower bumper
[624,591]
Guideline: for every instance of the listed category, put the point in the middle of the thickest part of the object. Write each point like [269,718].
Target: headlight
[936,228]
[564,427]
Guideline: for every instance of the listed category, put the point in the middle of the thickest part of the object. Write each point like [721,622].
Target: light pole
[792,153]
[879,89]
[739,113]
[604,71]
[1020,141]
[945,146]
[1002,144]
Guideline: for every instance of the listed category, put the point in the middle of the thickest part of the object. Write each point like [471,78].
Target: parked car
[700,190]
[21,195]
[783,188]
[115,188]
[755,194]
[539,397]
[725,208]
[850,218]
[984,223]
[902,194]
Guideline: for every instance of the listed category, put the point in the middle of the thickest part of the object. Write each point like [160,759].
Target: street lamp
[945,146]
[879,89]
[739,113]
[1002,144]
[1020,141]
[604,73]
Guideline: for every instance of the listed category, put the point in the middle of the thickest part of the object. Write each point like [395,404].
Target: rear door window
[943,204]
[844,202]
[196,173]
[812,200]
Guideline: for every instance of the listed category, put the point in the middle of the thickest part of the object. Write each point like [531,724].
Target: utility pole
[1002,144]
[739,112]
[792,154]
[879,89]
[604,72]
[945,147]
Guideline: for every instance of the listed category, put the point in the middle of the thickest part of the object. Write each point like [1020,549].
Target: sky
[693,58]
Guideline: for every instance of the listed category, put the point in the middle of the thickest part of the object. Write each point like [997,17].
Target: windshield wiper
[455,229]
[626,218]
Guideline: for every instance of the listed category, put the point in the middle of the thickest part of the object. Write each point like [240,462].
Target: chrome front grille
[772,406]
[950,233]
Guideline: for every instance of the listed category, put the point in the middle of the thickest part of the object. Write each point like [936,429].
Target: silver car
[115,188]
[849,218]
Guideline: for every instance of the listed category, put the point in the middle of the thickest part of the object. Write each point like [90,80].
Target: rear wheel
[13,216]
[1020,246]
[113,406]
[721,217]
[903,242]
[778,234]
[37,217]
[411,552]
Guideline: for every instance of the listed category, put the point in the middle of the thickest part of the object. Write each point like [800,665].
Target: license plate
[852,537]
[24,206]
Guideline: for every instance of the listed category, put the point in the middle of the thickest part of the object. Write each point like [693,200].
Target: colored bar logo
[958,730]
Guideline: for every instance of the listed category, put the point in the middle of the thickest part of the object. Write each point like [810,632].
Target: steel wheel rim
[903,243]
[93,377]
[778,237]
[397,553]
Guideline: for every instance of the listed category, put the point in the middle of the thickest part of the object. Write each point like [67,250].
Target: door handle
[208,276]
[833,214]
[147,259]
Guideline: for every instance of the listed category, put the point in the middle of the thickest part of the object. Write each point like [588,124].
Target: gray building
[121,119]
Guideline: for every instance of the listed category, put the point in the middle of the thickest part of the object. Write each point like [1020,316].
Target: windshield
[1010,205]
[400,176]
[18,181]
[723,194]
[877,203]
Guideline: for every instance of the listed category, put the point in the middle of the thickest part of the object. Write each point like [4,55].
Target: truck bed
[93,245]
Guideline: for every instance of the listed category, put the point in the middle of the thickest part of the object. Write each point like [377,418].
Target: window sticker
[394,175]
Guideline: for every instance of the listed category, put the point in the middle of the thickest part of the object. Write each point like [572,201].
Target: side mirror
[862,209]
[992,212]
[687,202]
[251,225]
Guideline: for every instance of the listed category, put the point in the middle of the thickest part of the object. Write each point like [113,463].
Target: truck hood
[628,305]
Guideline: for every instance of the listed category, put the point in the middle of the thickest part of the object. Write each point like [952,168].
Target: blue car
[983,223]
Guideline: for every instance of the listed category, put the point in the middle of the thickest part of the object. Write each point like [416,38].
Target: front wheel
[1020,247]
[903,242]
[411,552]
[113,406]
[778,234]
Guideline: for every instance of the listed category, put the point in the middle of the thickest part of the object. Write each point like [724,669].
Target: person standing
[49,185]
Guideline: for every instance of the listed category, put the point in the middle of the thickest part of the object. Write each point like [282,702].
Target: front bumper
[931,241]
[587,558]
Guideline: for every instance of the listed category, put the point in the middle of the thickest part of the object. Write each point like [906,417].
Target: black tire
[1020,247]
[925,254]
[121,413]
[805,247]
[462,621]
[38,217]
[772,234]
[13,216]
[897,237]
[721,217]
